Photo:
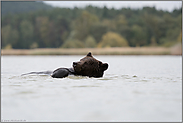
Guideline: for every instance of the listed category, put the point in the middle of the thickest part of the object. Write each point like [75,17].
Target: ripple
[14,77]
[77,77]
[107,77]
[134,76]
[15,85]
[86,86]
[26,92]
[144,80]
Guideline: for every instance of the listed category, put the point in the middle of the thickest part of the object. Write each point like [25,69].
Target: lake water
[134,88]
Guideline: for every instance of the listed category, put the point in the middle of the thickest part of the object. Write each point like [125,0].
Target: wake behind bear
[87,66]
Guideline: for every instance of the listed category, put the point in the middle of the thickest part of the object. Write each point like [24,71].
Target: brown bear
[87,66]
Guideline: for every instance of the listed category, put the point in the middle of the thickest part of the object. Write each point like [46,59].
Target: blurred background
[86,24]
[133,89]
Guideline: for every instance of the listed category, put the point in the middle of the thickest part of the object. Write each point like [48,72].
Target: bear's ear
[103,66]
[89,54]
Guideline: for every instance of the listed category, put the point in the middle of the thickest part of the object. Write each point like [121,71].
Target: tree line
[91,27]
[16,7]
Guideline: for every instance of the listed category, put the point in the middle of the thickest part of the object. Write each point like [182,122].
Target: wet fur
[87,66]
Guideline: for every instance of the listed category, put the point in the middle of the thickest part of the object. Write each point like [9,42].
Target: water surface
[134,88]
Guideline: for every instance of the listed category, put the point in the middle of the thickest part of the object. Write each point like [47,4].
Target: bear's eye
[100,63]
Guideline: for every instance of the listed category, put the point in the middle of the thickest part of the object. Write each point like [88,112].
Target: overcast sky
[160,5]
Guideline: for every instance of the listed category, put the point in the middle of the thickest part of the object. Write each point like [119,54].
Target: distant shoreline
[96,51]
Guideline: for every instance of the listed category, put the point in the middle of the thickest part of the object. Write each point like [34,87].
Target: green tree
[42,28]
[152,23]
[26,31]
[83,23]
[110,24]
[138,37]
[105,12]
[112,39]
[62,25]
[90,42]
[73,43]
[98,30]
[153,41]
[140,27]
[34,45]
[179,38]
[121,21]
[10,36]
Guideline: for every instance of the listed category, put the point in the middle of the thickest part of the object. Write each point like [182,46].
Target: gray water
[134,88]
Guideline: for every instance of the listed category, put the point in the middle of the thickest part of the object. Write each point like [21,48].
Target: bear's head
[89,66]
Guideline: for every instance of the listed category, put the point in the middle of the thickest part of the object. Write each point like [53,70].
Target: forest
[91,27]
